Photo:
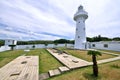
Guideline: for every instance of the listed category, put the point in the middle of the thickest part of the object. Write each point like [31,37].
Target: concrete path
[110,53]
[58,71]
[21,68]
[108,60]
[63,69]
[72,62]
[68,60]
[54,72]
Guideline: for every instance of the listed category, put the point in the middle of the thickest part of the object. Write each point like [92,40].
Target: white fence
[115,46]
[4,48]
[42,46]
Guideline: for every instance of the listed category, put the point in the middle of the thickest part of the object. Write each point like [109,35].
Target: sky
[53,19]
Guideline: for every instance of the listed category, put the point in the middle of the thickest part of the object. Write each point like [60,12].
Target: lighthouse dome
[80,13]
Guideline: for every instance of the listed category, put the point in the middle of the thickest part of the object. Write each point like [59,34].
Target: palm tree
[94,53]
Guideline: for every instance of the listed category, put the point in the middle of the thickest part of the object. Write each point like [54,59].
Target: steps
[58,71]
[43,76]
[63,69]
[54,72]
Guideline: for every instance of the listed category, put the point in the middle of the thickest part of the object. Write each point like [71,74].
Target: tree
[33,46]
[95,66]
[116,39]
[71,41]
[99,38]
[89,39]
[55,44]
[46,44]
[2,42]
[61,41]
[12,47]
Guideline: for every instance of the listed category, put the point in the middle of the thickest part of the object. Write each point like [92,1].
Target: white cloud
[53,19]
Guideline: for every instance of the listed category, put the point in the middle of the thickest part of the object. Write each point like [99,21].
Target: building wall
[10,42]
[4,48]
[112,45]
[80,36]
[42,46]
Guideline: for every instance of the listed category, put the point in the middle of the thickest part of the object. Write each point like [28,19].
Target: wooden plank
[63,69]
[8,69]
[54,72]
[68,60]
[22,68]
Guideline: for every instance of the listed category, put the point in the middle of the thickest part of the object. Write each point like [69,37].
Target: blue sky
[53,19]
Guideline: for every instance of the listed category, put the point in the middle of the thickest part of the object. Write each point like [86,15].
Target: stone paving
[21,68]
[54,72]
[63,69]
[68,60]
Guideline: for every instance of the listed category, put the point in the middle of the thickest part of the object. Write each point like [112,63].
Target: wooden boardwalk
[21,68]
[68,60]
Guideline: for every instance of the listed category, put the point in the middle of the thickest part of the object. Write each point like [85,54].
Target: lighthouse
[80,37]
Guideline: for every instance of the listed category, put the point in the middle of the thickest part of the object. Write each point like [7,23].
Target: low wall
[4,48]
[42,46]
[115,46]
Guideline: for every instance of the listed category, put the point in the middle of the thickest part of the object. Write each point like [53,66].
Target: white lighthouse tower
[80,36]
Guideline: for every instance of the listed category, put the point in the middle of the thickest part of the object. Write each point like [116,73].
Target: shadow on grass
[115,66]
[90,76]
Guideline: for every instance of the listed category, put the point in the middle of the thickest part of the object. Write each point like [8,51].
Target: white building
[80,36]
[106,45]
[10,42]
[7,43]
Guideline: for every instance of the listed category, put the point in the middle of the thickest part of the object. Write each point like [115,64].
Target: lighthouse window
[83,28]
[76,29]
[78,36]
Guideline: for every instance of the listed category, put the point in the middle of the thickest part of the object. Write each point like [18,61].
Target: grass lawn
[108,71]
[116,52]
[83,54]
[46,61]
[7,56]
